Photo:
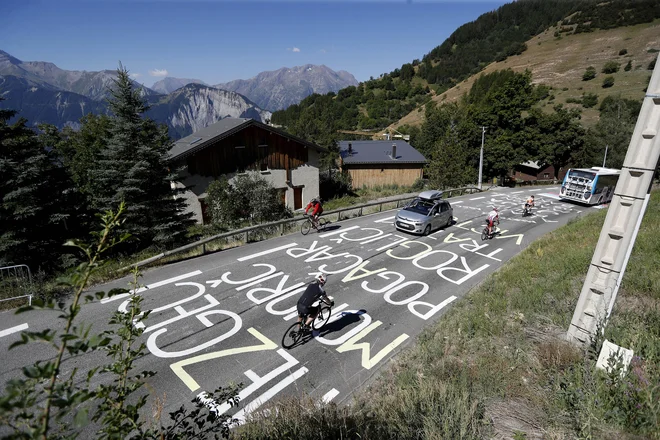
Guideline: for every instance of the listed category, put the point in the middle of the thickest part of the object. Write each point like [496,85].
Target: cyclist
[493,216]
[317,210]
[529,203]
[313,292]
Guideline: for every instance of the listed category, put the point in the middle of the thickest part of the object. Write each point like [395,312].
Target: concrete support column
[622,222]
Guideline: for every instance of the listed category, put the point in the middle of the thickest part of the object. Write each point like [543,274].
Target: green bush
[608,81]
[589,74]
[589,100]
[334,184]
[249,198]
[611,67]
[418,185]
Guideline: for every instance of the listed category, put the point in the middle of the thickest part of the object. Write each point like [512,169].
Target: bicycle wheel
[292,335]
[484,234]
[306,227]
[322,318]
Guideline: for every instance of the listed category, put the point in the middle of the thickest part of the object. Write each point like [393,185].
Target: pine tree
[133,167]
[33,190]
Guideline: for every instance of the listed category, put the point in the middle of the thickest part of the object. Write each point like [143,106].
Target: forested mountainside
[494,36]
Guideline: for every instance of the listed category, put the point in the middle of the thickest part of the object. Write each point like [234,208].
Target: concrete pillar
[622,222]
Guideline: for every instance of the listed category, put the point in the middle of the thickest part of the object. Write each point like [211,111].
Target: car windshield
[420,206]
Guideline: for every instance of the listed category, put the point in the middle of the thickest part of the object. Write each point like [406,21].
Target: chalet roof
[222,129]
[378,152]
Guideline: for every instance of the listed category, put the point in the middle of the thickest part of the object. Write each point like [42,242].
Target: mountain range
[278,89]
[41,92]
[170,84]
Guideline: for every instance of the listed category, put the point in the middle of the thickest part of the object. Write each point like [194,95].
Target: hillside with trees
[490,43]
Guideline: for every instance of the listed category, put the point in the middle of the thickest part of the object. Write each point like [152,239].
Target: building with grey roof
[377,163]
[236,146]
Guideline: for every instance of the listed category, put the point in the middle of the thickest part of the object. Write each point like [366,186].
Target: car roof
[431,194]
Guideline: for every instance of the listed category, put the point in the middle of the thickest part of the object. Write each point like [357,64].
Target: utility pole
[605,158]
[624,217]
[481,155]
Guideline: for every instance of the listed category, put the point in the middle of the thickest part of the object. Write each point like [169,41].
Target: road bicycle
[527,210]
[295,332]
[485,235]
[308,225]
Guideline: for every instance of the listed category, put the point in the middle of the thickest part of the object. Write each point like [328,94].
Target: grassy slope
[560,63]
[496,365]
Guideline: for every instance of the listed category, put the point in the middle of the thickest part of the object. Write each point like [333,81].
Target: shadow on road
[332,227]
[345,319]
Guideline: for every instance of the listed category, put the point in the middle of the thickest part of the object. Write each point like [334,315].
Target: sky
[218,41]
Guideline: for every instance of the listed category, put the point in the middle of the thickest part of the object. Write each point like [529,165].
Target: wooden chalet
[234,146]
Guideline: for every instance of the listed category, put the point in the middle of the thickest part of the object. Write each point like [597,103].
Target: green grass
[366,195]
[497,364]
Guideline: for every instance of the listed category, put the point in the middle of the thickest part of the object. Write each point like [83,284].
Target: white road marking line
[384,220]
[265,397]
[269,251]
[151,286]
[339,231]
[327,397]
[456,203]
[518,192]
[11,330]
[392,244]
[374,239]
[534,190]
[478,198]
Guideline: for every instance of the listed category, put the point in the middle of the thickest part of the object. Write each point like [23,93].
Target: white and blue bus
[591,186]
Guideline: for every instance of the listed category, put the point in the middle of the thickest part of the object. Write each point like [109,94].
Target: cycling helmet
[321,279]
[496,209]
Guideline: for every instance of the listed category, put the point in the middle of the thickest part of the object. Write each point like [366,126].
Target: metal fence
[15,283]
[350,212]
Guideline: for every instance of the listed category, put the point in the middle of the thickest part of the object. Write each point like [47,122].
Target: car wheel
[427,231]
[450,220]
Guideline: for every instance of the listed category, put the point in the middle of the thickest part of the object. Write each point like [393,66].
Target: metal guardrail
[245,231]
[18,276]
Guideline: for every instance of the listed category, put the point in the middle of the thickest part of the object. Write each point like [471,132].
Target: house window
[546,175]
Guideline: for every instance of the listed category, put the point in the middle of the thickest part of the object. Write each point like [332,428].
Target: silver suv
[426,213]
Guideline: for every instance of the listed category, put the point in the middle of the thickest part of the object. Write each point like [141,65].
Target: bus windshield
[582,174]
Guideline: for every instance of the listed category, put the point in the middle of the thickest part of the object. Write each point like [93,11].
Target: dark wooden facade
[523,173]
[251,149]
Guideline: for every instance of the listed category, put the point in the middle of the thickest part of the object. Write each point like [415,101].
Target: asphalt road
[220,318]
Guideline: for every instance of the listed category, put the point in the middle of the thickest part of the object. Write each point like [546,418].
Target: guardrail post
[360,214]
[204,249]
[339,216]
[245,234]
[282,229]
[380,208]
[397,204]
